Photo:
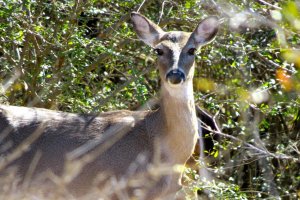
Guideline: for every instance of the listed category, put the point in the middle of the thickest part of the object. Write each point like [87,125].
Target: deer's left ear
[205,31]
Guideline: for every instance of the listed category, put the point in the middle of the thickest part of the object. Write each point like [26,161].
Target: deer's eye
[159,52]
[192,51]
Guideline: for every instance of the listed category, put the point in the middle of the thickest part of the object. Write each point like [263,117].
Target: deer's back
[125,151]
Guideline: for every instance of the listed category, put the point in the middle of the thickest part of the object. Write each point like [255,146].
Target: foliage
[82,56]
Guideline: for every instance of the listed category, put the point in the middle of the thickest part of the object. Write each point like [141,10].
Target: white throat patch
[182,91]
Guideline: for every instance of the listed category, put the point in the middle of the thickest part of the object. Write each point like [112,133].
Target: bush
[82,56]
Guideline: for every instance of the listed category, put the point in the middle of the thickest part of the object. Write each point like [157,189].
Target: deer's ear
[205,31]
[147,31]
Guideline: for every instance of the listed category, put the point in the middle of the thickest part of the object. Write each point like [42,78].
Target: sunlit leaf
[284,79]
[292,56]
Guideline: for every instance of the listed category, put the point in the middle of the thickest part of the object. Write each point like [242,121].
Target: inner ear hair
[206,30]
[147,30]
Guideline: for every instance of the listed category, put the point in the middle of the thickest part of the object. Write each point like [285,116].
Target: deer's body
[122,144]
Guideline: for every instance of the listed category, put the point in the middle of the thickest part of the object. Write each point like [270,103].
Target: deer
[136,150]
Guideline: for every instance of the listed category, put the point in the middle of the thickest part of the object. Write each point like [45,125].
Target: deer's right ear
[147,31]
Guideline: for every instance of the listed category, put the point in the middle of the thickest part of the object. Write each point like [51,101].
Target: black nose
[175,76]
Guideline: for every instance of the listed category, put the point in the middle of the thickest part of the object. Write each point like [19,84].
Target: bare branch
[252,147]
[23,147]
[271,5]
[138,10]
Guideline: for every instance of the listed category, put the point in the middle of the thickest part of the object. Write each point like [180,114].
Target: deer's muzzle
[175,76]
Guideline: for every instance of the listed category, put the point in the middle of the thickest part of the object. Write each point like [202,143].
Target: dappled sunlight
[204,85]
[11,82]
[260,96]
[292,55]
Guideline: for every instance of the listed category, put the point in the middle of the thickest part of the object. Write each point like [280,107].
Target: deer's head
[175,49]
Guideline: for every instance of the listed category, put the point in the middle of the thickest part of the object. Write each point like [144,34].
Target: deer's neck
[178,109]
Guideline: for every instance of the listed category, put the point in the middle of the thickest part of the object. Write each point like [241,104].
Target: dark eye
[159,52]
[192,51]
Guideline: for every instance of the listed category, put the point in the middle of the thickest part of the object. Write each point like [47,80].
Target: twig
[273,6]
[161,11]
[79,158]
[264,152]
[108,32]
[23,147]
[121,87]
[138,10]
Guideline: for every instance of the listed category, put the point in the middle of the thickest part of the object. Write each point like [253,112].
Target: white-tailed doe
[136,151]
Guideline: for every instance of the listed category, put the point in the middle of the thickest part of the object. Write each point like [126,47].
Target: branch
[107,32]
[268,4]
[259,150]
